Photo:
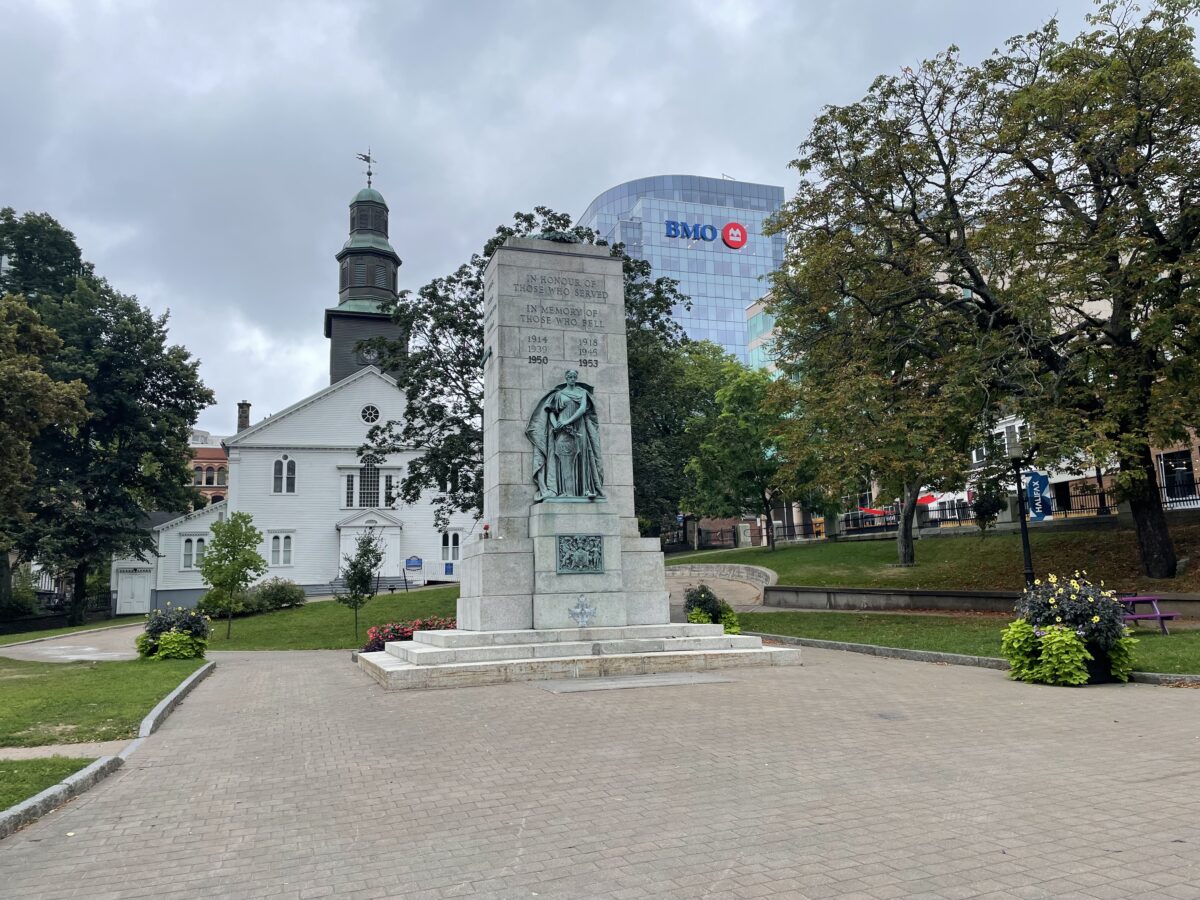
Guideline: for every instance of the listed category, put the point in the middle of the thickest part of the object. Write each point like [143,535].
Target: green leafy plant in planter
[704,608]
[174,633]
[1068,632]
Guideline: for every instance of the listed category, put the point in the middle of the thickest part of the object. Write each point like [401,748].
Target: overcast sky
[203,153]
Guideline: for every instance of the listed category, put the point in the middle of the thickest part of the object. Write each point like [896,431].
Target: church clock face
[370,355]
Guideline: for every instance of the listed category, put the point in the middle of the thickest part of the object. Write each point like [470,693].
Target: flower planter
[1099,667]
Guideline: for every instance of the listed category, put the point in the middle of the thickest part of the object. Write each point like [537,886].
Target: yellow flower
[1095,618]
[1053,602]
[1074,596]
[1058,618]
[1091,599]
[1037,581]
[1053,579]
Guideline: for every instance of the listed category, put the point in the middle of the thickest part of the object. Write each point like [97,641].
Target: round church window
[370,414]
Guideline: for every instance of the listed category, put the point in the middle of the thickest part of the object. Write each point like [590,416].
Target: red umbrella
[872,512]
[927,499]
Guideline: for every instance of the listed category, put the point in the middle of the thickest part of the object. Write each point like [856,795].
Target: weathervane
[368,159]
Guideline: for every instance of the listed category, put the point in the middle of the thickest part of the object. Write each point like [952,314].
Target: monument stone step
[459,638]
[423,654]
[395,674]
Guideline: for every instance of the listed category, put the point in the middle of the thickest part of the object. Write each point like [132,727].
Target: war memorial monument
[564,587]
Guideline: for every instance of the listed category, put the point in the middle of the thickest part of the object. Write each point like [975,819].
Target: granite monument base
[457,658]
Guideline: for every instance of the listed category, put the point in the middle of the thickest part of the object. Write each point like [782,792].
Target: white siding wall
[321,437]
[311,514]
[171,574]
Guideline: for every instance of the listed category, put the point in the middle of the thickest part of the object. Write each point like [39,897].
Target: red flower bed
[378,635]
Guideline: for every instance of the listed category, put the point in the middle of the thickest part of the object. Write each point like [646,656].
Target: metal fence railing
[1180,492]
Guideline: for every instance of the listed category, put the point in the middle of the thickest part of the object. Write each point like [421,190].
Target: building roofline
[364,372]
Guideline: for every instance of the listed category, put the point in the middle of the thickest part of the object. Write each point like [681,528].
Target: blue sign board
[449,568]
[1037,496]
[414,562]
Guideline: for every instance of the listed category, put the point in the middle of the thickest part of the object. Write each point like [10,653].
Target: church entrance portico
[386,527]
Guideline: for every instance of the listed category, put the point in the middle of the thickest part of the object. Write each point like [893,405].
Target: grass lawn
[66,703]
[53,632]
[329,625]
[967,562]
[20,779]
[976,635]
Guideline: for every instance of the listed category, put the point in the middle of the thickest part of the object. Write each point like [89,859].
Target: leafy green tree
[1043,204]
[672,393]
[41,257]
[736,469]
[231,561]
[94,481]
[438,369]
[879,380]
[30,400]
[359,573]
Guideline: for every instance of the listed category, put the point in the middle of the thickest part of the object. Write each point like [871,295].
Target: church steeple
[367,270]
[367,263]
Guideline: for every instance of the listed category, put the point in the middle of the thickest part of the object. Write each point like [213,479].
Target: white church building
[298,472]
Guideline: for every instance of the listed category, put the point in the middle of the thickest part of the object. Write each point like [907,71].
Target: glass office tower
[705,232]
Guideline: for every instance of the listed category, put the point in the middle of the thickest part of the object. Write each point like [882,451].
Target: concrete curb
[157,715]
[56,795]
[953,659]
[67,634]
[28,811]
[932,656]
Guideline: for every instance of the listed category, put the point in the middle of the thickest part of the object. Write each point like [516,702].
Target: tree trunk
[5,580]
[1102,508]
[77,611]
[1155,548]
[904,534]
[229,619]
[356,624]
[770,525]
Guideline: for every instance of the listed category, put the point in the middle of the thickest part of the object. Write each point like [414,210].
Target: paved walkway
[80,751]
[293,775]
[109,644]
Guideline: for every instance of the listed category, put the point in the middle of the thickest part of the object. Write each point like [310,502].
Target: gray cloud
[204,153]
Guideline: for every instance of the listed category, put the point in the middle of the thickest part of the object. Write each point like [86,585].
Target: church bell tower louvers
[367,270]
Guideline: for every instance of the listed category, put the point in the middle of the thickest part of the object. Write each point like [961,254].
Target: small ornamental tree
[358,573]
[231,561]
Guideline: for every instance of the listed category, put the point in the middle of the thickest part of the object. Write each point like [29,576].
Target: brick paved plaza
[294,775]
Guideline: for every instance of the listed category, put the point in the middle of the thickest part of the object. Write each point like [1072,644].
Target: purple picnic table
[1132,615]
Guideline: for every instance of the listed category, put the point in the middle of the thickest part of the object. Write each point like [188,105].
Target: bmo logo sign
[733,235]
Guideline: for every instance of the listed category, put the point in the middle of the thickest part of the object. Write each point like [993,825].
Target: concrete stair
[456,658]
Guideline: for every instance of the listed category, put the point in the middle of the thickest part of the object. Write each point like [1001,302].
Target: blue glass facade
[720,278]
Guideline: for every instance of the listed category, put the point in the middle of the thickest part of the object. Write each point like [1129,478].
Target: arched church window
[210,476]
[197,475]
[222,475]
[283,476]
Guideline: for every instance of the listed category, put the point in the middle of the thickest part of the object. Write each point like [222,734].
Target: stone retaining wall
[795,597]
[755,575]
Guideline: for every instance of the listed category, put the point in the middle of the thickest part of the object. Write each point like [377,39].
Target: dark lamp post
[1015,454]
